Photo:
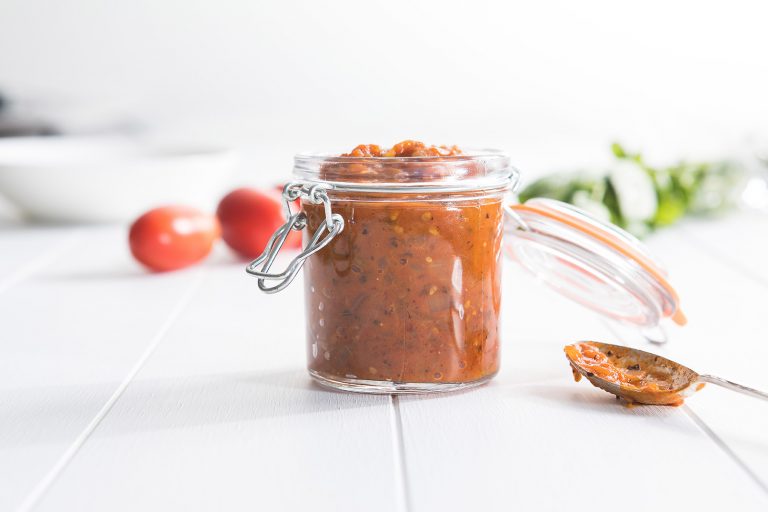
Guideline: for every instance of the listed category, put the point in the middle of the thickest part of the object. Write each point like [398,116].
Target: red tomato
[248,220]
[172,237]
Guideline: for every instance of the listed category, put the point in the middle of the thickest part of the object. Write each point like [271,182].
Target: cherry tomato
[172,237]
[248,220]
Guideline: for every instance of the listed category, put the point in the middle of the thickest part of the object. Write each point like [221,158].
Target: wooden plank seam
[723,257]
[39,490]
[700,423]
[37,264]
[398,450]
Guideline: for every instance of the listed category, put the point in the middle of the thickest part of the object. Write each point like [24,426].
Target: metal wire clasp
[333,225]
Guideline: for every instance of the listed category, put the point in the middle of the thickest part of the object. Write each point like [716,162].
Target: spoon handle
[733,386]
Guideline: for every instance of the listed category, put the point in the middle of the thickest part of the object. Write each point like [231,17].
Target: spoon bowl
[639,376]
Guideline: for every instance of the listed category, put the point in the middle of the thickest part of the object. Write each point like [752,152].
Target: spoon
[639,376]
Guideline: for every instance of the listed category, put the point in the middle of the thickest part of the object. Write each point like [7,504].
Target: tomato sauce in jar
[407,297]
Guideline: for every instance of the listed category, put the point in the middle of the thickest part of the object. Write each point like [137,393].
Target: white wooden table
[121,390]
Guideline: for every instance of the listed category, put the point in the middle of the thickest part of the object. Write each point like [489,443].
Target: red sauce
[406,148]
[632,377]
[640,380]
[410,290]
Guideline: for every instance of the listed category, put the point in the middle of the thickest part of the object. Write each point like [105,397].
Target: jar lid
[591,262]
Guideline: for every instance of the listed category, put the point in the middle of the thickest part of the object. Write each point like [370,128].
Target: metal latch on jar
[333,225]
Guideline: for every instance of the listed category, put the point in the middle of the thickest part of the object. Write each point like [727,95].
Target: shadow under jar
[406,298]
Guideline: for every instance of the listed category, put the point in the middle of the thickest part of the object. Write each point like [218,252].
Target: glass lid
[591,262]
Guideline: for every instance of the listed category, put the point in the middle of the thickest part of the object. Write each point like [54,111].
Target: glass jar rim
[490,170]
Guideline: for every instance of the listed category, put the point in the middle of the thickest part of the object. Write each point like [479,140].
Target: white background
[553,82]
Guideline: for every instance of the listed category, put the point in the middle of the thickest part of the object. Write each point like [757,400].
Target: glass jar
[402,263]
[404,295]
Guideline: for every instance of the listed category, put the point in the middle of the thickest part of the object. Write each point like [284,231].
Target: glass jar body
[407,298]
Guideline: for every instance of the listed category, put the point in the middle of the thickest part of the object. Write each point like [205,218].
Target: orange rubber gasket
[615,243]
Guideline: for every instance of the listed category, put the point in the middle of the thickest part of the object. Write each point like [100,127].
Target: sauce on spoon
[636,376]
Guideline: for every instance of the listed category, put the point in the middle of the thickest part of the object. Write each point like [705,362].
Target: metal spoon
[670,382]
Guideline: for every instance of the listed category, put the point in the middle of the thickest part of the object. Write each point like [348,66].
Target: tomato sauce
[631,377]
[409,292]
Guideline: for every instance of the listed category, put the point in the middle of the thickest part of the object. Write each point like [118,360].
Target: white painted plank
[24,250]
[535,440]
[223,417]
[739,240]
[726,334]
[71,331]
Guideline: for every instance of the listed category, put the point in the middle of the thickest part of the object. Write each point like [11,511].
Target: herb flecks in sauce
[415,283]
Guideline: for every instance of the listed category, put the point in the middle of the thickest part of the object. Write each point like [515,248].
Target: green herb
[641,198]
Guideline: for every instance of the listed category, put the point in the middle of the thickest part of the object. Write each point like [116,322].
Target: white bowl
[96,179]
